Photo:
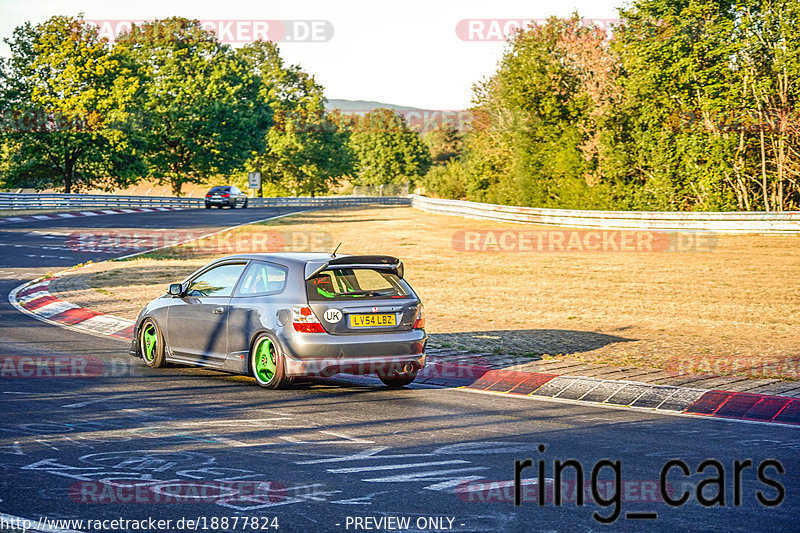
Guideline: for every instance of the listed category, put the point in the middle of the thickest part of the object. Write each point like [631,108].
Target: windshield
[356,284]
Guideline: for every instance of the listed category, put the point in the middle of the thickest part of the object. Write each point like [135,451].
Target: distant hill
[364,105]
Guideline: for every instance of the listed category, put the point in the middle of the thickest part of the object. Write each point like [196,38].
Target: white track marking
[398,466]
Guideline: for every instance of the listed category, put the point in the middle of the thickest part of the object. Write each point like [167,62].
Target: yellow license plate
[372,321]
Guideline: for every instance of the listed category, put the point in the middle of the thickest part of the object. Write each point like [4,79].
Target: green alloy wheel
[266,363]
[151,344]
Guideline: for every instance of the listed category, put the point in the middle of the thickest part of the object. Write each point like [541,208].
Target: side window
[262,278]
[219,281]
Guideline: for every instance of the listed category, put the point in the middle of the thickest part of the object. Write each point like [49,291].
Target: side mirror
[175,289]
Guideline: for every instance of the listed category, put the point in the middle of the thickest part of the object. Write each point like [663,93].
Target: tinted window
[219,281]
[356,284]
[219,189]
[262,278]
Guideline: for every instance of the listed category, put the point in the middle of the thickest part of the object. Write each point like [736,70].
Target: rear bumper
[319,354]
[385,366]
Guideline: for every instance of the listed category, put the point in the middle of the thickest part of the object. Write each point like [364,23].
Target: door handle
[218,310]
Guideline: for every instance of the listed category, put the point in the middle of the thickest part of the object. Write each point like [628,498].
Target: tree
[199,105]
[65,98]
[306,150]
[444,143]
[386,150]
[714,86]
[688,105]
[677,56]
[534,137]
[770,91]
[309,153]
[445,181]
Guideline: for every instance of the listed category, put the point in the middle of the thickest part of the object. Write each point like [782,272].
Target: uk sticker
[333,315]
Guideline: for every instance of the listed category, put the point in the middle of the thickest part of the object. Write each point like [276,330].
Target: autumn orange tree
[542,128]
[683,105]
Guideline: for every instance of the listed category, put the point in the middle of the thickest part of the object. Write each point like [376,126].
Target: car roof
[304,257]
[313,262]
[292,257]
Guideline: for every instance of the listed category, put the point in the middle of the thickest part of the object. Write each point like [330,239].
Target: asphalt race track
[210,451]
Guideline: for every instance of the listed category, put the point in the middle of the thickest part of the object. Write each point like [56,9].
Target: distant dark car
[284,315]
[225,195]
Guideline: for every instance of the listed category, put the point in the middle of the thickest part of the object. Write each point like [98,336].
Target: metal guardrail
[722,222]
[15,201]
[387,189]
[328,201]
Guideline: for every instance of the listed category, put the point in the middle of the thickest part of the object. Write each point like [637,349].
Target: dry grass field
[733,308]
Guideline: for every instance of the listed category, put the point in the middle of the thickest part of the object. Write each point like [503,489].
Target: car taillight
[419,323]
[304,321]
[208,195]
[226,195]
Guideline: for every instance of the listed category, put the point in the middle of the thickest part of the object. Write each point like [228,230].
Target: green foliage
[198,106]
[386,150]
[687,105]
[306,151]
[65,98]
[167,101]
[532,122]
[445,181]
[690,105]
[444,143]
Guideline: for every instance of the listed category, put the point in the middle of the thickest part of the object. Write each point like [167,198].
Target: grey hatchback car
[280,316]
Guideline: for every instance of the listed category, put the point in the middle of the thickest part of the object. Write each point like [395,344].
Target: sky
[418,53]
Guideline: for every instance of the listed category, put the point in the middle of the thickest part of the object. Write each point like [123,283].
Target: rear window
[356,284]
[219,189]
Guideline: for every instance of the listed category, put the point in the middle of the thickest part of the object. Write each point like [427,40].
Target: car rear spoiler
[383,262]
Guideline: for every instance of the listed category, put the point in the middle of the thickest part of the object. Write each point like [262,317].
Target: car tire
[232,205]
[208,206]
[151,344]
[220,206]
[244,205]
[267,364]
[395,381]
